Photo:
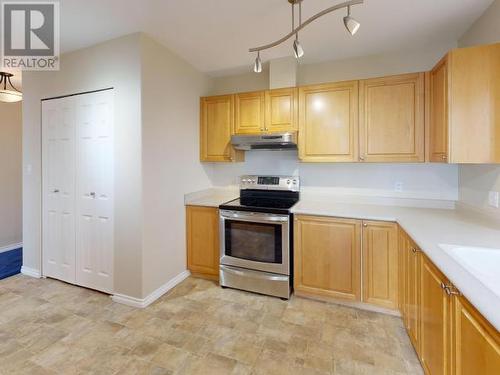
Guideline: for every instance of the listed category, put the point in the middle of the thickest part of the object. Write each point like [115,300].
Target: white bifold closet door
[88,251]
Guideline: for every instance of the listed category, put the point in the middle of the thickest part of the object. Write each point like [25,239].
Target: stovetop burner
[271,194]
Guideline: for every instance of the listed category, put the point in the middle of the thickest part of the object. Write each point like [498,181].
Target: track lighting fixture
[350,23]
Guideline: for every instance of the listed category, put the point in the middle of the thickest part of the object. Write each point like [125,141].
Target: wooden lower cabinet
[202,237]
[449,335]
[327,256]
[435,315]
[476,348]
[380,264]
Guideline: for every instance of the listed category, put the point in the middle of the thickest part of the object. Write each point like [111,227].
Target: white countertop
[430,227]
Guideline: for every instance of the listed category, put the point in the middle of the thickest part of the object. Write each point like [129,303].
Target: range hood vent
[275,141]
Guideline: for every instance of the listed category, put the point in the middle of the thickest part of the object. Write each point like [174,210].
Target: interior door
[58,189]
[94,190]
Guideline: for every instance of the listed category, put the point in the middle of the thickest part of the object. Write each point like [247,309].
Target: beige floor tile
[50,327]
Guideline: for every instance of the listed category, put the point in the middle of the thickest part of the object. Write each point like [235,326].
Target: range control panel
[290,183]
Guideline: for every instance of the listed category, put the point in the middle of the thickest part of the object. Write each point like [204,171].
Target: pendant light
[298,51]
[8,94]
[350,23]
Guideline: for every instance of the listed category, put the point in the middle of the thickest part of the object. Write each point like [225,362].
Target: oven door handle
[255,217]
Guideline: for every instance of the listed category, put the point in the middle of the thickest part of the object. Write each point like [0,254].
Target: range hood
[273,141]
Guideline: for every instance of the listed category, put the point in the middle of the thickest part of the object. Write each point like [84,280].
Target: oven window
[253,241]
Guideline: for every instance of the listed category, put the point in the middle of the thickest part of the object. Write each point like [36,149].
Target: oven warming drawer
[255,281]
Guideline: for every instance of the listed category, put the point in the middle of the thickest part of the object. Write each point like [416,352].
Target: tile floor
[49,327]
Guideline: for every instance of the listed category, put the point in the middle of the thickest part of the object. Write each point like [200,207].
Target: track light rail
[305,23]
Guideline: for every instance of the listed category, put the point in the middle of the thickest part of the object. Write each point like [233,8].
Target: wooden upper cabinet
[380,264]
[391,119]
[216,127]
[327,257]
[435,315]
[476,348]
[202,237]
[250,112]
[464,96]
[328,122]
[438,107]
[281,110]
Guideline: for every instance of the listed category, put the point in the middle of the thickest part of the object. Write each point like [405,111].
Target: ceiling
[214,35]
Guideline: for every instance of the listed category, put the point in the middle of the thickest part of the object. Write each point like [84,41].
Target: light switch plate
[493,198]
[398,187]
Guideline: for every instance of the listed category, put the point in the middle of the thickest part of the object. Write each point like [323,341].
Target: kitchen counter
[430,227]
[212,197]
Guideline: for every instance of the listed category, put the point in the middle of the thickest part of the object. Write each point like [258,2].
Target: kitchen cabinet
[412,292]
[328,122]
[476,348]
[281,110]
[464,95]
[391,119]
[202,238]
[435,308]
[250,112]
[216,127]
[380,264]
[327,253]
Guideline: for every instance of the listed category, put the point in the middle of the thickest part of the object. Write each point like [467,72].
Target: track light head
[257,67]
[298,51]
[350,23]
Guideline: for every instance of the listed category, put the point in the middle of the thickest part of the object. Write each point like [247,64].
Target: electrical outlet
[493,198]
[398,186]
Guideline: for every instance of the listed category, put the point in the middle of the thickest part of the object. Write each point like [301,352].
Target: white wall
[419,180]
[170,158]
[111,64]
[10,173]
[475,181]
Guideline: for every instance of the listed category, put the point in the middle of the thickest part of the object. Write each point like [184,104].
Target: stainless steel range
[256,235]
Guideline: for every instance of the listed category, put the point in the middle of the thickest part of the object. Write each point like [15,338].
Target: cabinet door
[477,343]
[380,264]
[391,121]
[328,122]
[281,110]
[216,127]
[413,293]
[202,225]
[250,112]
[438,132]
[435,321]
[327,257]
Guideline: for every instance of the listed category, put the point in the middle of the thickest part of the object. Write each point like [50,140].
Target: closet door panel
[58,186]
[95,191]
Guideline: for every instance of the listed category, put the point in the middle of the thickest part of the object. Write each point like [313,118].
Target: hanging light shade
[8,93]
[350,23]
[257,67]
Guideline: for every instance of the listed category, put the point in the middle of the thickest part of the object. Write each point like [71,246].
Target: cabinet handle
[414,250]
[92,194]
[56,191]
[451,290]
[444,157]
[365,225]
[362,158]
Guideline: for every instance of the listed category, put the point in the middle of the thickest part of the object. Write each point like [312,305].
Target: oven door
[256,241]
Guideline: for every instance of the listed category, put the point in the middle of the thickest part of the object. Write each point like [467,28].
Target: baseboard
[10,247]
[31,272]
[145,302]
